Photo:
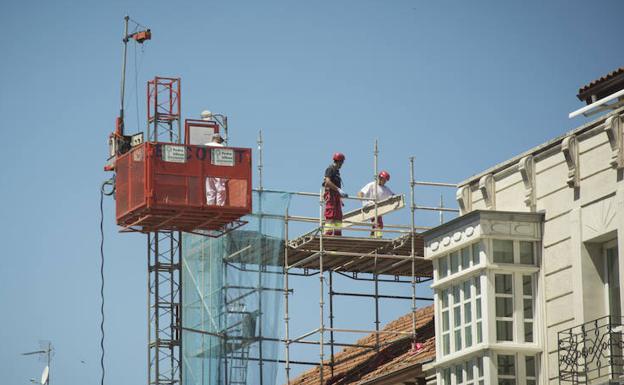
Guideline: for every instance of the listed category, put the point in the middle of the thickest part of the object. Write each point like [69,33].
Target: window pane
[530,366]
[465,256]
[467,313]
[506,381]
[506,365]
[454,262]
[456,297]
[527,285]
[476,251]
[502,284]
[503,251]
[528,332]
[504,307]
[480,367]
[504,330]
[457,316]
[445,321]
[526,253]
[528,308]
[479,333]
[459,378]
[467,289]
[446,343]
[478,308]
[443,267]
[469,369]
[446,376]
[445,298]
[458,344]
[477,284]
[468,335]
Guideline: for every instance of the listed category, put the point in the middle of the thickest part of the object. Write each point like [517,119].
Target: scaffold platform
[361,255]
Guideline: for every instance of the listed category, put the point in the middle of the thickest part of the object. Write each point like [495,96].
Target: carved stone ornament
[569,147]
[526,166]
[486,186]
[464,200]
[613,129]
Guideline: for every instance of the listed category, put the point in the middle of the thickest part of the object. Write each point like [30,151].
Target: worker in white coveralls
[215,187]
[383,192]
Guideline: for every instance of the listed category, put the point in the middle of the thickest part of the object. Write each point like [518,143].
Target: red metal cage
[162,187]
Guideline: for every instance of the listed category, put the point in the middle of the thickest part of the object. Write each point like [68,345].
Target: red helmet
[339,157]
[385,175]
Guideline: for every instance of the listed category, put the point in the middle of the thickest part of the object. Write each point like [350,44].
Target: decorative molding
[526,166]
[569,147]
[613,129]
[464,199]
[487,187]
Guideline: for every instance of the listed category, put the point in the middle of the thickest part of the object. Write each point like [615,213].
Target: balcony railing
[592,353]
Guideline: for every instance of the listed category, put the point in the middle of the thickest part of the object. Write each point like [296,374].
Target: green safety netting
[232,299]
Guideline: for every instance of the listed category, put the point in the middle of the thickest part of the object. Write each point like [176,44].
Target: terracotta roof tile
[355,365]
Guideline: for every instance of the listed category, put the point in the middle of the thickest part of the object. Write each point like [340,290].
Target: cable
[110,182]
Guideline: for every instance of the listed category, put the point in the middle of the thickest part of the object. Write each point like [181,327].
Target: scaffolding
[242,338]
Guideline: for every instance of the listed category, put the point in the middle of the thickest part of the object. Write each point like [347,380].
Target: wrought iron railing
[592,353]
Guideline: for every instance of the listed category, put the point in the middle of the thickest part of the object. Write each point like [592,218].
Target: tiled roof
[356,365]
[599,84]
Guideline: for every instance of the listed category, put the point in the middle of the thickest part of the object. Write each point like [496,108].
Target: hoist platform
[162,187]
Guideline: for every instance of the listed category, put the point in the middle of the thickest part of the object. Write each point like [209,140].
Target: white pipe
[596,104]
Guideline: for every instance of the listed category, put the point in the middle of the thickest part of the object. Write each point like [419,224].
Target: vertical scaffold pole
[260,259]
[321,302]
[413,247]
[331,323]
[376,231]
[286,293]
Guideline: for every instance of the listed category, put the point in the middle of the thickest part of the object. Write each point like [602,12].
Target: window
[503,251]
[465,373]
[442,267]
[465,257]
[503,293]
[461,315]
[526,253]
[531,376]
[508,251]
[446,323]
[454,262]
[506,369]
[528,304]
[476,253]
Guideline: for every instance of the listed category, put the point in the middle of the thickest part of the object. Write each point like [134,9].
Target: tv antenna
[45,354]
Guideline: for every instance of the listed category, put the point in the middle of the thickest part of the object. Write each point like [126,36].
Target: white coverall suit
[215,187]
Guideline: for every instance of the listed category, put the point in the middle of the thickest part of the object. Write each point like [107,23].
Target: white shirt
[368,191]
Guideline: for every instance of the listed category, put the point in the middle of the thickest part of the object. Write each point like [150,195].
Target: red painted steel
[162,187]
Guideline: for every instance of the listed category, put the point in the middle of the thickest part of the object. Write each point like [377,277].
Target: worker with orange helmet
[382,192]
[333,195]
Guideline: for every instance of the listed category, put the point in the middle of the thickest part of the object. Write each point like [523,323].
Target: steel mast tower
[164,250]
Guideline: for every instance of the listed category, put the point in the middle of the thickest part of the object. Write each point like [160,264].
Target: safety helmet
[339,157]
[385,175]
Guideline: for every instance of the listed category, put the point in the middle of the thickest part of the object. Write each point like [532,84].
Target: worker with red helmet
[333,195]
[382,192]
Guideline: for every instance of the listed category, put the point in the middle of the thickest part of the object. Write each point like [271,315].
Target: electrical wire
[103,191]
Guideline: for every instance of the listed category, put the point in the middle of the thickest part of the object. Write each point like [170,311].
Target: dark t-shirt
[333,173]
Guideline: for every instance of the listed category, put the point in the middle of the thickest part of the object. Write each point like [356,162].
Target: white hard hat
[206,115]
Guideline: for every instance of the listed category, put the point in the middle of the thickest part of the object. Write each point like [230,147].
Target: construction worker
[215,187]
[333,195]
[383,192]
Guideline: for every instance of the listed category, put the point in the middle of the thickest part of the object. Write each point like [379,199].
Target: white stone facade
[574,184]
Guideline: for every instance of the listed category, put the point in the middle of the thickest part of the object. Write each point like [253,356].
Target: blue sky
[459,85]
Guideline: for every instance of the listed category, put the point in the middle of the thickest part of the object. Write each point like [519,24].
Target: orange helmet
[384,175]
[339,157]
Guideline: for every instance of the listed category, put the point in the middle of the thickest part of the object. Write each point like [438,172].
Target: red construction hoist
[160,187]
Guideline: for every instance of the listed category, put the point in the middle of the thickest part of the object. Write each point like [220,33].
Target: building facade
[527,280]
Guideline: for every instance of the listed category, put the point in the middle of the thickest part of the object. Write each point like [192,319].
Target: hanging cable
[108,189]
